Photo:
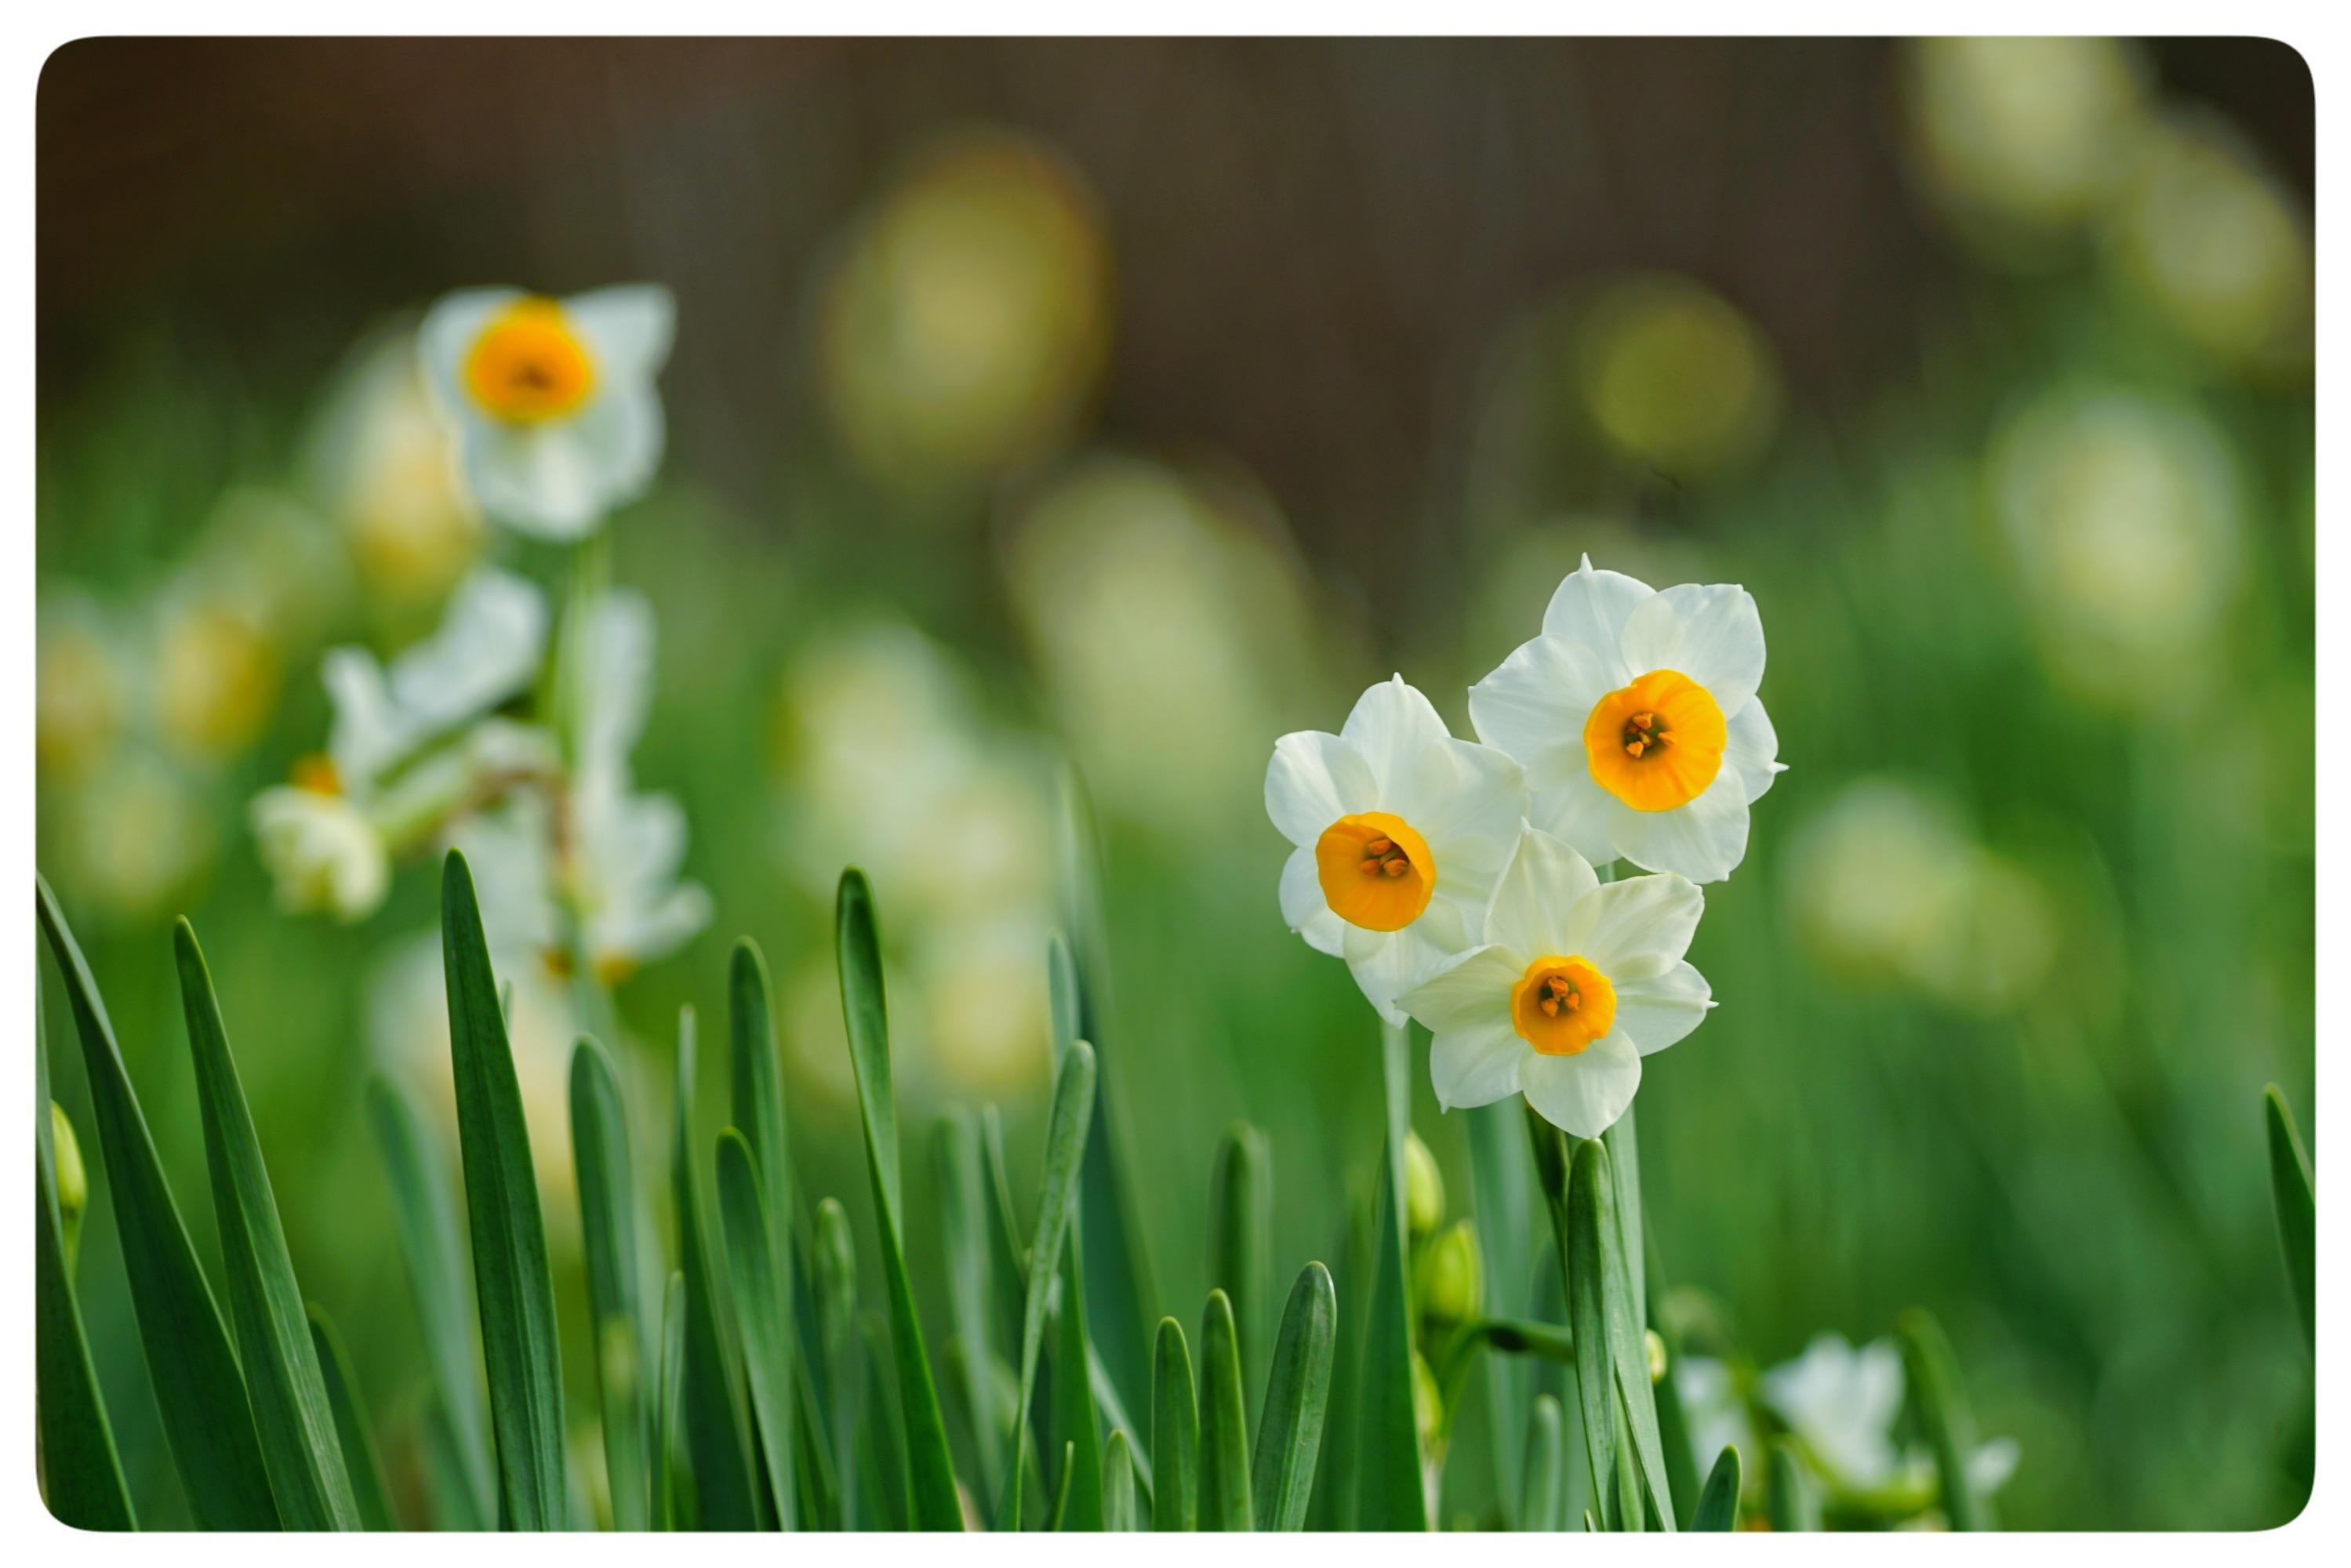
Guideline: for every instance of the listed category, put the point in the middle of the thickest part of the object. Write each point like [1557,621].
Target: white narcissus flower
[1636,716]
[1400,832]
[553,401]
[324,853]
[485,650]
[1842,1401]
[1573,984]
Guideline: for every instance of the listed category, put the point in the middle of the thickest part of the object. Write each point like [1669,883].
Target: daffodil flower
[1842,1400]
[486,648]
[1636,716]
[323,853]
[554,402]
[1573,984]
[1400,829]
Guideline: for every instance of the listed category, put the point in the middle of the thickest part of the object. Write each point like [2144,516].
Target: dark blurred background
[1144,399]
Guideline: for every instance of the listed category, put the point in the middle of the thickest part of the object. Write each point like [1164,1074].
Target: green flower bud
[1424,1187]
[73,1181]
[1657,1349]
[1428,1404]
[1448,1277]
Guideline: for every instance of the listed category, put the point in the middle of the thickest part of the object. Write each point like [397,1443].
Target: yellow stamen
[530,365]
[1561,1005]
[1656,743]
[1376,870]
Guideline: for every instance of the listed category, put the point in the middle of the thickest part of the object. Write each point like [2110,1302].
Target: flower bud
[1449,1276]
[73,1180]
[1428,1404]
[1657,1349]
[1424,1187]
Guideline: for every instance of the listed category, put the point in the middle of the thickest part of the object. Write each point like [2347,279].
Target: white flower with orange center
[1400,831]
[1636,716]
[1574,982]
[553,400]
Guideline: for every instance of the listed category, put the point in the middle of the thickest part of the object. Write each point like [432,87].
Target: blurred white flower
[384,466]
[216,674]
[136,835]
[2122,518]
[324,853]
[558,417]
[1843,1402]
[988,1021]
[486,650]
[1636,716]
[80,684]
[1572,983]
[1400,832]
[1714,1412]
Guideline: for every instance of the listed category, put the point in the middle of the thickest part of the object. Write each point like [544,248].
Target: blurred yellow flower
[385,467]
[968,321]
[216,676]
[78,685]
[134,836]
[1675,376]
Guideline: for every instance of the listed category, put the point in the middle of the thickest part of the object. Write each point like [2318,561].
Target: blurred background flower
[1130,402]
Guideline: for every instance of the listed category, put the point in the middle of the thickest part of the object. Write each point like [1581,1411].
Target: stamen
[1551,1007]
[1398,866]
[1634,748]
[1371,868]
[1379,847]
[1645,721]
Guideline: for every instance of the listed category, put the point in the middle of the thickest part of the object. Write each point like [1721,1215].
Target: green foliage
[1390,1488]
[717,1427]
[1296,1397]
[1175,1433]
[1718,1505]
[606,1174]
[1545,1495]
[1793,1503]
[354,1428]
[1944,1415]
[1065,1141]
[1225,1498]
[763,1309]
[2294,1191]
[1240,1240]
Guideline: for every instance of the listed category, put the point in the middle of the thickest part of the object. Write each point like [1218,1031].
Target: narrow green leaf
[1717,1506]
[425,1213]
[512,1286]
[671,1484]
[757,1086]
[718,1428]
[1175,1433]
[936,1505]
[1225,1500]
[820,1491]
[1545,1499]
[1065,1142]
[1523,1336]
[1074,1422]
[1334,1508]
[199,1392]
[960,1189]
[1502,1180]
[763,1309]
[288,1393]
[1591,1525]
[1114,1412]
[1673,1422]
[1945,1416]
[1119,1511]
[1061,1492]
[2294,1192]
[833,1268]
[354,1428]
[1240,1243]
[883,1490]
[1612,1355]
[1622,1141]
[1296,1397]
[1793,1505]
[606,1174]
[1390,1494]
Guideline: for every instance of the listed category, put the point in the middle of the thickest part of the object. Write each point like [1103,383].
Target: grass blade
[81,1474]
[819,1492]
[608,1227]
[936,1505]
[511,1284]
[1057,1201]
[1061,1492]
[763,1309]
[425,1212]
[1944,1415]
[354,1430]
[1390,1491]
[2294,1191]
[833,1270]
[1718,1505]
[1673,1421]
[1792,1502]
[1240,1243]
[1074,1422]
[1296,1397]
[1225,1500]
[1175,1433]
[671,1485]
[1544,1501]
[1114,1412]
[1501,1180]
[288,1393]
[718,1429]
[961,1195]
[1119,1512]
[199,1392]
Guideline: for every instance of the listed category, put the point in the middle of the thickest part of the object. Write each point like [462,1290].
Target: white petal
[1387,963]
[1710,631]
[1476,1065]
[446,336]
[1704,841]
[1578,814]
[1584,1094]
[1991,1464]
[1535,896]
[1467,802]
[1641,927]
[1534,705]
[1659,1010]
[1590,607]
[628,329]
[1303,908]
[1314,779]
[1391,725]
[1466,990]
[539,479]
[617,656]
[1753,747]
[625,425]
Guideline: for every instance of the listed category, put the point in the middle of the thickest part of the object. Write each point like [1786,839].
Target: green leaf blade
[1544,1501]
[1945,1417]
[1297,1397]
[1119,1511]
[1225,1504]
[354,1428]
[605,1172]
[717,1427]
[763,1308]
[1791,1503]
[1390,1491]
[2294,1191]
[1718,1505]
[1066,1131]
[1175,1433]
